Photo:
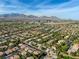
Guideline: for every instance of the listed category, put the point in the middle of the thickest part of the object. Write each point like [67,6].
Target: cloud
[64,9]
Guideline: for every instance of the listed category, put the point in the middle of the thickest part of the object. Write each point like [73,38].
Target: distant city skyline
[68,9]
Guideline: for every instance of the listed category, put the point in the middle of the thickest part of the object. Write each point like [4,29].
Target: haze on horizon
[60,8]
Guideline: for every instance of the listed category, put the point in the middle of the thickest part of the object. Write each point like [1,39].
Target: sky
[68,9]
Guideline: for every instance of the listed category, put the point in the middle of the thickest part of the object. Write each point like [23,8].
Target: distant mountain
[23,17]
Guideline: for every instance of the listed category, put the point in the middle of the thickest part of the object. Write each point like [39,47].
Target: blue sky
[68,9]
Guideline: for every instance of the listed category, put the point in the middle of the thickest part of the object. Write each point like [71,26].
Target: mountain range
[23,17]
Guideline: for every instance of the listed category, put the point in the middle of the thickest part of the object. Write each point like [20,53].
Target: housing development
[39,40]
